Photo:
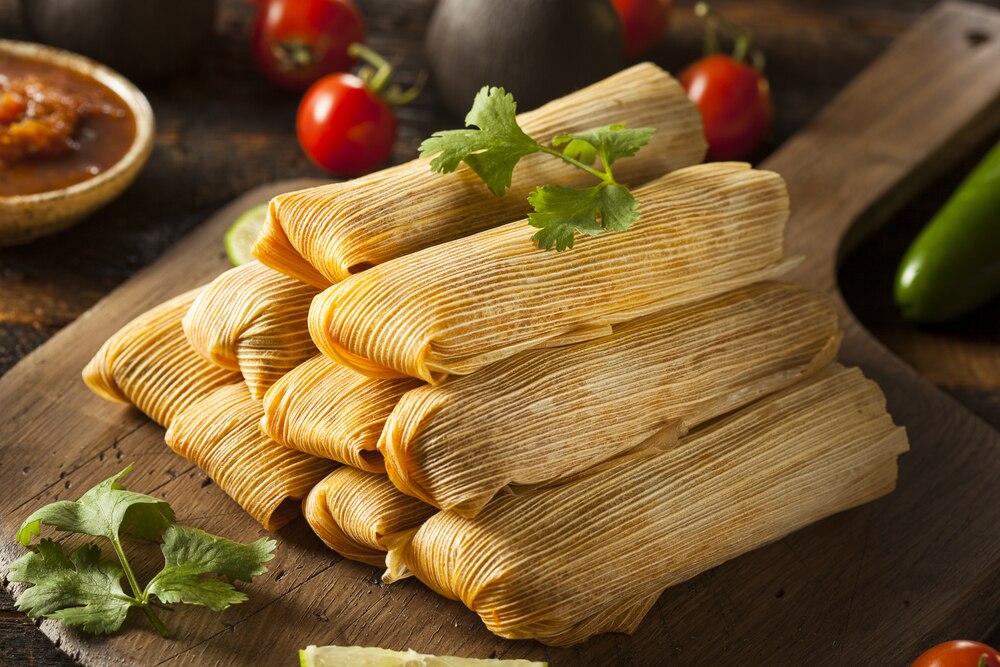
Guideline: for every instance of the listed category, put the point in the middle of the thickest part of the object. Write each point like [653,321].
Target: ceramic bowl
[26,217]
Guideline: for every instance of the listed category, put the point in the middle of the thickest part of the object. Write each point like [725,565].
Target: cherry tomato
[644,22]
[295,42]
[735,103]
[344,126]
[959,653]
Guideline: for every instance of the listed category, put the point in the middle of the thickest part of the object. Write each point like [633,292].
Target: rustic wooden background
[222,130]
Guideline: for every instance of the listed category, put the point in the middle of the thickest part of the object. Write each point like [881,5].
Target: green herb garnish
[499,143]
[80,589]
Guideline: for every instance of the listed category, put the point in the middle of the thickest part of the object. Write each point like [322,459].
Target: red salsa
[57,127]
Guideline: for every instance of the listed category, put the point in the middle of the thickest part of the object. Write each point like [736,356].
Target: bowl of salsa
[73,135]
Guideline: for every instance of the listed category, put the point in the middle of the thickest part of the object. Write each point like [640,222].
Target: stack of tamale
[551,438]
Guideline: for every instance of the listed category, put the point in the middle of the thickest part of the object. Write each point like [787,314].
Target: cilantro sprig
[81,589]
[498,143]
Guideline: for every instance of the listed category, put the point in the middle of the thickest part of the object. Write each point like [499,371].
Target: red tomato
[344,127]
[959,653]
[735,103]
[295,42]
[644,22]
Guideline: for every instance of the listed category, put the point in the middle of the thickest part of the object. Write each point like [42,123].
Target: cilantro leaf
[79,590]
[560,212]
[611,143]
[103,511]
[493,150]
[189,553]
[578,149]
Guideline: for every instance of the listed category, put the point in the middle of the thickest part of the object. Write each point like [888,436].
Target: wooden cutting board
[865,587]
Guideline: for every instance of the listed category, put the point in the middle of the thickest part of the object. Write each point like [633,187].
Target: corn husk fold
[358,514]
[563,563]
[326,409]
[462,305]
[324,234]
[254,320]
[220,434]
[149,364]
[544,415]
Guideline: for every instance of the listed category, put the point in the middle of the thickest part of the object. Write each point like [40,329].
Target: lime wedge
[241,235]
[356,656]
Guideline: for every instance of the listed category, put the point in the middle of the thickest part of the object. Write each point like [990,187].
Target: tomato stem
[377,73]
[741,35]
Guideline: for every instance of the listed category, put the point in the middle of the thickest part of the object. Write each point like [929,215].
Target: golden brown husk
[563,563]
[354,512]
[462,305]
[254,320]
[342,228]
[544,415]
[149,363]
[220,434]
[326,409]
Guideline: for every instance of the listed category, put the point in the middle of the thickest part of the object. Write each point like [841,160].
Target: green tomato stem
[605,176]
[383,69]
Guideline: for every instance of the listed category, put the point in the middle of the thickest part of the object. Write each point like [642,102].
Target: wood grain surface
[864,587]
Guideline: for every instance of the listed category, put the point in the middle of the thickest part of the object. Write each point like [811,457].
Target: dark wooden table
[222,129]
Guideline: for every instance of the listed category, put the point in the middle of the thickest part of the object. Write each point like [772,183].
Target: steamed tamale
[221,435]
[543,415]
[462,305]
[150,364]
[345,227]
[560,564]
[355,512]
[326,409]
[252,319]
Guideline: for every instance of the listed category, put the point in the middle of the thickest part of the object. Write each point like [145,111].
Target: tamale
[563,563]
[543,415]
[221,435]
[150,364]
[462,305]
[326,409]
[254,320]
[354,512]
[345,227]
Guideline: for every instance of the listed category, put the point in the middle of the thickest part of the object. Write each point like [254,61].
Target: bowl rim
[134,99]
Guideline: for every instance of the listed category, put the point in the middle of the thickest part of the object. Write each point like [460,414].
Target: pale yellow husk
[356,512]
[544,415]
[345,227]
[254,320]
[462,305]
[150,364]
[563,563]
[220,434]
[326,409]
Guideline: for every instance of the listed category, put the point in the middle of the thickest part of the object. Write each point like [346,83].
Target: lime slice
[356,656]
[241,235]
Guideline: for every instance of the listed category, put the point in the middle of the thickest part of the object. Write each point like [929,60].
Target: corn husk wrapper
[346,227]
[326,409]
[460,306]
[149,364]
[254,320]
[358,514]
[220,434]
[544,415]
[563,563]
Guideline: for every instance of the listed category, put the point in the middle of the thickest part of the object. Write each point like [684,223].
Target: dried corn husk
[326,409]
[149,363]
[220,434]
[459,306]
[563,563]
[345,227]
[354,512]
[254,320]
[547,414]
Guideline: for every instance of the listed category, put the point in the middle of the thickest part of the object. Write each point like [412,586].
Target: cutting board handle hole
[977,38]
